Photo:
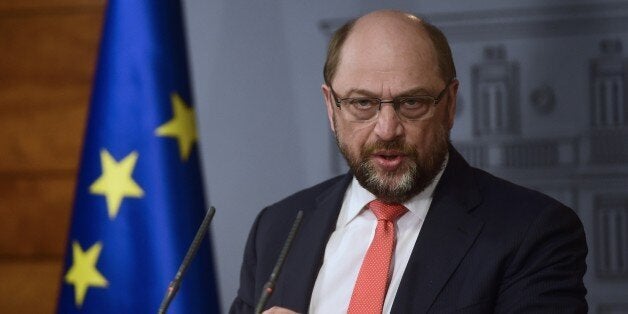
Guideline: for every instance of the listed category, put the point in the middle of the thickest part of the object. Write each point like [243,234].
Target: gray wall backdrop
[543,102]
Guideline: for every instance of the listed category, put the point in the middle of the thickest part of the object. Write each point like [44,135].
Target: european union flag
[139,197]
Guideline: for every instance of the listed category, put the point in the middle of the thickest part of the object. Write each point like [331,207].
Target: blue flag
[139,196]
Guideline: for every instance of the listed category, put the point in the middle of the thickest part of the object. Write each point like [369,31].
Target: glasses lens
[361,109]
[415,108]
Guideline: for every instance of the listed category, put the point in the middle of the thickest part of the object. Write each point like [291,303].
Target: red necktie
[370,287]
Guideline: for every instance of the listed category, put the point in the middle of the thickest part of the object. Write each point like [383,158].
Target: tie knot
[387,211]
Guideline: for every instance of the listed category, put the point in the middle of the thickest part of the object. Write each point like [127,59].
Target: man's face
[392,157]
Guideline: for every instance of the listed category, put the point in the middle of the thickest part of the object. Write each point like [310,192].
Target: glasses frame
[395,101]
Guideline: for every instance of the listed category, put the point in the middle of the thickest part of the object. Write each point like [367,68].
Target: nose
[388,126]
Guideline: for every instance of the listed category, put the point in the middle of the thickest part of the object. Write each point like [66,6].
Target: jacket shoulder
[495,186]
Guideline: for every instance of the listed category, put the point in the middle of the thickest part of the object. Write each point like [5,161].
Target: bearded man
[412,228]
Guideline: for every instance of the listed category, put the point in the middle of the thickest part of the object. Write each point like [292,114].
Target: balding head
[389,33]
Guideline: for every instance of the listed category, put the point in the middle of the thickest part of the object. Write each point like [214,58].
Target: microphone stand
[173,288]
[270,285]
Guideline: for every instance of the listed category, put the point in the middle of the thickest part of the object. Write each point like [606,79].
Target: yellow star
[83,273]
[116,182]
[182,126]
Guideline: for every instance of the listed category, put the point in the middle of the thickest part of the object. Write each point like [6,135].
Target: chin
[390,186]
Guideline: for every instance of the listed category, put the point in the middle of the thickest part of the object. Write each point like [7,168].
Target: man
[412,228]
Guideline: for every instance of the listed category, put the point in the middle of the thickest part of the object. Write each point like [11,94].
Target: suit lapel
[447,234]
[306,255]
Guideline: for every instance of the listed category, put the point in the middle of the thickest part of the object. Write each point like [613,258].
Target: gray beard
[410,179]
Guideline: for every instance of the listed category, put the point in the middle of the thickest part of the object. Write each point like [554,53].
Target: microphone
[269,287]
[173,288]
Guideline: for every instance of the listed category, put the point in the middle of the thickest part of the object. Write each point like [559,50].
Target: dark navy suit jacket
[486,246]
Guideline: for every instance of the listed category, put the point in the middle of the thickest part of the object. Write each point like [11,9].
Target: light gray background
[257,70]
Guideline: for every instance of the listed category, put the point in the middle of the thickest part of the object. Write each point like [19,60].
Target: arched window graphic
[501,109]
[601,106]
[485,112]
[493,108]
[608,105]
[617,96]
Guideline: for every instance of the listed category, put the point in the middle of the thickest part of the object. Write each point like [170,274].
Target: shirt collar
[357,197]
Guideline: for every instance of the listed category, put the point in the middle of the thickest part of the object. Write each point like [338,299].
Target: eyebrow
[417,91]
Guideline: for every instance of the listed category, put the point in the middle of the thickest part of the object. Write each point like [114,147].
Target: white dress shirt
[350,240]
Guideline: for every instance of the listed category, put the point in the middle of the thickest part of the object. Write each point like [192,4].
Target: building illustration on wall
[545,105]
[584,171]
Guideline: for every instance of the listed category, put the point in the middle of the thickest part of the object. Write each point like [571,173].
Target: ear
[451,105]
[329,103]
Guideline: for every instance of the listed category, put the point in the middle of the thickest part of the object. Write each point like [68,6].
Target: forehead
[392,54]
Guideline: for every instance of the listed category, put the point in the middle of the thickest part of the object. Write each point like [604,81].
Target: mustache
[396,145]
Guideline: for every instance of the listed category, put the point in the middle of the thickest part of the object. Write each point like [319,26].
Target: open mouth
[388,160]
[389,154]
[389,157]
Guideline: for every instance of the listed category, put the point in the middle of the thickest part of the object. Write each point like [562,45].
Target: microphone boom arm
[269,287]
[173,288]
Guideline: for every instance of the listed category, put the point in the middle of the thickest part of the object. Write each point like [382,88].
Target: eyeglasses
[364,109]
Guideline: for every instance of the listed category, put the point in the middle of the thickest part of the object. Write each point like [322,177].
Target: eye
[415,102]
[363,103]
